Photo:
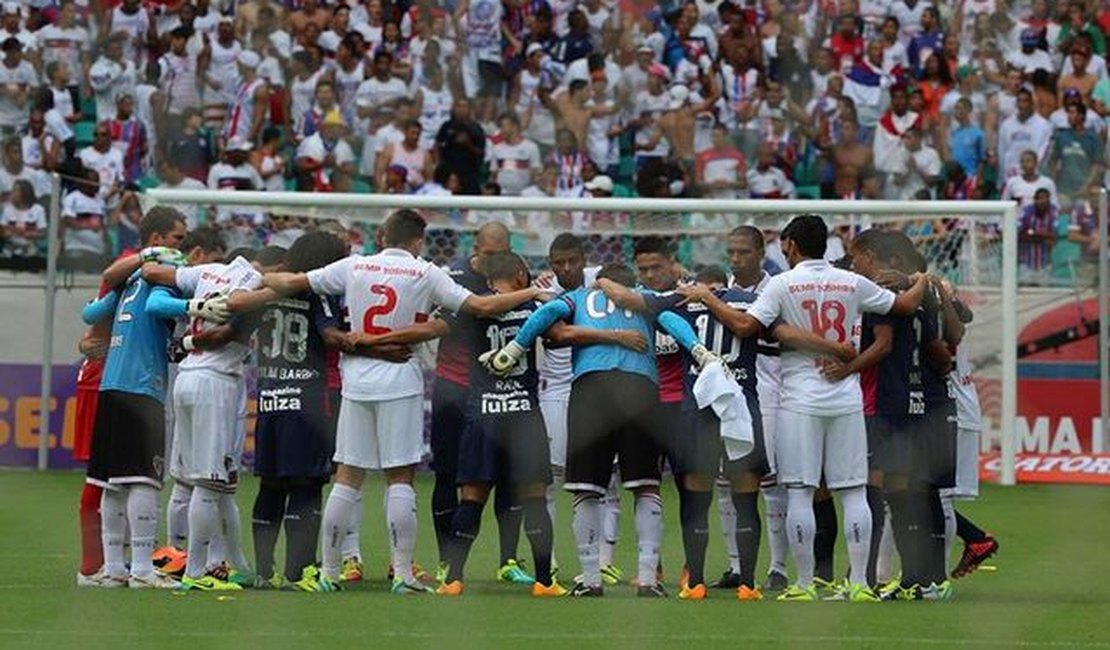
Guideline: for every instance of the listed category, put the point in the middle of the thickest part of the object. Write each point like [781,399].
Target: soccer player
[129,435]
[449,399]
[381,417]
[161,232]
[206,445]
[821,430]
[612,402]
[699,453]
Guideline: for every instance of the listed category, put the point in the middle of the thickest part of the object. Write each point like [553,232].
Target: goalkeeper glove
[703,357]
[210,309]
[162,255]
[501,362]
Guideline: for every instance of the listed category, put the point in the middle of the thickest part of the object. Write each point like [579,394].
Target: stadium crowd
[904,99]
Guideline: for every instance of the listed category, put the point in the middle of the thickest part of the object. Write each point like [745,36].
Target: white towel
[716,388]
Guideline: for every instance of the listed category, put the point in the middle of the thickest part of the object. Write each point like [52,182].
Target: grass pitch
[1049,591]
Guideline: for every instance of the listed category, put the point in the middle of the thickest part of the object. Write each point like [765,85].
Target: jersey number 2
[381,309]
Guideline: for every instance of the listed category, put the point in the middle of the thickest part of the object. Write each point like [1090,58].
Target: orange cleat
[748,593]
[555,590]
[454,588]
[697,592]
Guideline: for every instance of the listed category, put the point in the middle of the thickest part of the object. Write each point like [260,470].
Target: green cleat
[441,573]
[942,591]
[611,574]
[891,587]
[514,574]
[402,588]
[857,593]
[207,583]
[835,590]
[244,579]
[314,581]
[799,594]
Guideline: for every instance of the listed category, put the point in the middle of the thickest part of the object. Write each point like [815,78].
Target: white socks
[142,515]
[727,511]
[610,505]
[884,564]
[204,525]
[177,516]
[338,514]
[400,516]
[233,532]
[587,534]
[553,490]
[949,527]
[649,536]
[113,530]
[352,540]
[800,530]
[776,502]
[856,531]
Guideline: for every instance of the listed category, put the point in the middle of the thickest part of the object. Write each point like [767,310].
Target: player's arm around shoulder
[409,335]
[97,310]
[622,296]
[243,300]
[563,335]
[738,322]
[906,302]
[803,341]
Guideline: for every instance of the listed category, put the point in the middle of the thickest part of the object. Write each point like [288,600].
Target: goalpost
[974,243]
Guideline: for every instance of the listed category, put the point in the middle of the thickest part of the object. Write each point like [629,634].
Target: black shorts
[129,440]
[610,415]
[669,424]
[892,445]
[935,435]
[491,79]
[296,444]
[505,450]
[448,423]
[702,451]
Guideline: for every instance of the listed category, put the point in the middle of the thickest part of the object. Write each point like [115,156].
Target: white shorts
[555,419]
[809,446]
[967,466]
[380,435]
[205,442]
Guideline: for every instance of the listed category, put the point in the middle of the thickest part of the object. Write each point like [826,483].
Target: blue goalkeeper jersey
[138,352]
[590,307]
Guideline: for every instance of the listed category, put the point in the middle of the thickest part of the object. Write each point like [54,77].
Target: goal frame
[1006,214]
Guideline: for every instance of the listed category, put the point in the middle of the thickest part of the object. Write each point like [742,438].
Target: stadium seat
[83,133]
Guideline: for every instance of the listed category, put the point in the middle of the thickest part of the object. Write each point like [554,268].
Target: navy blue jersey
[455,351]
[893,386]
[492,396]
[291,354]
[739,353]
[927,325]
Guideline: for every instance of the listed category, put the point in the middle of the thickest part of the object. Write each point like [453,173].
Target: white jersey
[242,109]
[768,361]
[435,110]
[135,26]
[817,297]
[384,292]
[961,385]
[209,280]
[556,371]
[514,164]
[346,87]
[223,68]
[302,96]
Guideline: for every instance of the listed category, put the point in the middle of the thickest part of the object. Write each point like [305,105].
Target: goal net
[973,244]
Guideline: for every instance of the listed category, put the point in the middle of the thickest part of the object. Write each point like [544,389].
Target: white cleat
[101,580]
[152,581]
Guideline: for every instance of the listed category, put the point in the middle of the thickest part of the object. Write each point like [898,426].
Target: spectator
[1077,155]
[967,87]
[41,150]
[17,78]
[126,218]
[919,167]
[349,74]
[179,79]
[720,171]
[1079,22]
[1083,230]
[248,109]
[107,161]
[133,22]
[529,91]
[765,181]
[935,82]
[129,137]
[84,236]
[382,89]
[239,223]
[62,93]
[268,161]
[325,154]
[433,103]
[192,151]
[1036,235]
[1021,187]
[1022,131]
[23,224]
[910,15]
[111,76]
[325,103]
[894,124]
[173,178]
[66,42]
[402,111]
[1059,117]
[846,45]
[1031,57]
[926,43]
[482,71]
[306,73]
[966,143]
[410,153]
[515,159]
[1080,79]
[461,146]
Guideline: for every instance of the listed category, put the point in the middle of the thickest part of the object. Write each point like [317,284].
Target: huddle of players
[618,398]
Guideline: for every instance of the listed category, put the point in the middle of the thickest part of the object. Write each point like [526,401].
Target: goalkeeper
[612,396]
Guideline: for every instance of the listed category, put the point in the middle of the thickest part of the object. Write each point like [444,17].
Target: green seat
[88,108]
[83,133]
[360,186]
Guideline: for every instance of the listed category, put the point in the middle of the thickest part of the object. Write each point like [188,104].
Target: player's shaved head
[404,229]
[492,237]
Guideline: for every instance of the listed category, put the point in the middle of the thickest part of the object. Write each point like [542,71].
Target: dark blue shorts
[448,423]
[699,449]
[296,444]
[505,450]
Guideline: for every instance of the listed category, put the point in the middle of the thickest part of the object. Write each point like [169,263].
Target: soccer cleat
[453,588]
[611,574]
[170,560]
[697,592]
[206,583]
[974,555]
[441,573]
[890,587]
[775,583]
[402,588]
[582,590]
[423,576]
[799,594]
[276,582]
[315,582]
[152,581]
[728,580]
[244,579]
[683,578]
[912,592]
[554,590]
[943,591]
[512,573]
[746,593]
[652,591]
[857,593]
[101,580]
[352,570]
[835,590]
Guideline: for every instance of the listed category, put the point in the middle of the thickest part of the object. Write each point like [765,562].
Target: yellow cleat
[454,588]
[697,592]
[555,590]
[746,593]
[351,570]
